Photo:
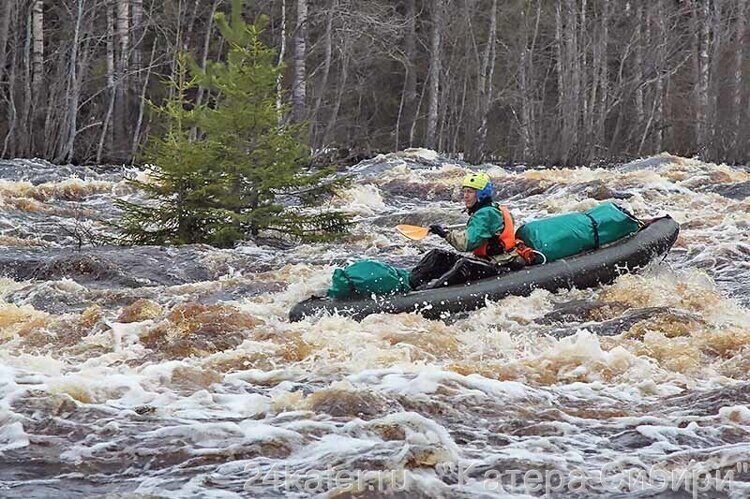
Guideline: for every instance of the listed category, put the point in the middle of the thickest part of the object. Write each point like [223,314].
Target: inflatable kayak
[586,270]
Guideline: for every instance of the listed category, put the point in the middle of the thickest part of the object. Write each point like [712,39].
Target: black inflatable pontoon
[586,270]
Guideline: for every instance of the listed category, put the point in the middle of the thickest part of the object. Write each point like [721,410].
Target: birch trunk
[591,102]
[299,88]
[562,86]
[22,142]
[141,104]
[486,76]
[462,108]
[121,110]
[739,59]
[565,31]
[35,104]
[523,87]
[339,95]
[328,50]
[137,18]
[574,102]
[603,101]
[581,82]
[123,36]
[106,129]
[701,89]
[203,63]
[8,142]
[410,79]
[190,24]
[206,46]
[435,69]
[37,23]
[528,139]
[714,83]
[282,54]
[5,12]
[663,38]
[73,91]
[639,66]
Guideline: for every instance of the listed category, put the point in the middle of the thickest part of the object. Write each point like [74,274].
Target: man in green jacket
[489,235]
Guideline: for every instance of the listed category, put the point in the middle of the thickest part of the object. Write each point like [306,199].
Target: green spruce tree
[220,170]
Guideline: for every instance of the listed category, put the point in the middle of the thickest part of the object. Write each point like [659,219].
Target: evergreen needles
[228,168]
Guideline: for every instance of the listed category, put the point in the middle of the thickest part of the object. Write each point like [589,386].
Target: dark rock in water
[42,226]
[613,327]
[517,186]
[708,402]
[50,299]
[651,163]
[57,298]
[621,324]
[194,329]
[413,190]
[114,266]
[339,157]
[600,191]
[583,311]
[84,267]
[415,159]
[737,191]
[364,404]
[629,440]
[38,171]
[382,163]
[242,290]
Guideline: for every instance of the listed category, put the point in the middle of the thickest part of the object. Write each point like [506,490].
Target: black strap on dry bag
[595,226]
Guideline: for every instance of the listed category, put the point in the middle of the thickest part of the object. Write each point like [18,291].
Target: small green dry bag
[368,277]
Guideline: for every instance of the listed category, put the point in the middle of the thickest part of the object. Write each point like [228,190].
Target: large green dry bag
[368,277]
[566,235]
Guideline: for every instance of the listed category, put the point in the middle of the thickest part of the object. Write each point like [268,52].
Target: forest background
[537,81]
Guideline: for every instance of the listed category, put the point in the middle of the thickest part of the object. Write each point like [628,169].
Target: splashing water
[174,371]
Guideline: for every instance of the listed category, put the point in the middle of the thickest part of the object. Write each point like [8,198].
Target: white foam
[245,404]
[12,436]
[363,199]
[331,448]
[738,414]
[421,153]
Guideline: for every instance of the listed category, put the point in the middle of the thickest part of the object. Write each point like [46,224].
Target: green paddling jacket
[485,223]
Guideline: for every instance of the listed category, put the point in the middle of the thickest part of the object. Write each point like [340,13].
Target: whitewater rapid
[174,372]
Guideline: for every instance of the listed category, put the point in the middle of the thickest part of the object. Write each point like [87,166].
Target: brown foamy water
[175,372]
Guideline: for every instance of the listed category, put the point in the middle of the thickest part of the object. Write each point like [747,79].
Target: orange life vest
[507,240]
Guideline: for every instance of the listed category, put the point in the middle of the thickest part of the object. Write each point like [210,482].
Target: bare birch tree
[282,53]
[485,86]
[106,130]
[701,16]
[565,82]
[435,69]
[407,113]
[739,85]
[299,89]
[37,102]
[121,110]
[6,10]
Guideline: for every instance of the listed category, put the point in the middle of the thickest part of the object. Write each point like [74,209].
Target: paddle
[416,233]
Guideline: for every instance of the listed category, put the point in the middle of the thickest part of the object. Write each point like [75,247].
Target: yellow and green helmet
[479,181]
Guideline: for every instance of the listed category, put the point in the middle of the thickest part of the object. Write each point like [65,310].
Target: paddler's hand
[438,230]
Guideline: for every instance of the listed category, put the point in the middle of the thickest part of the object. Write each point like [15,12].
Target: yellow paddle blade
[413,232]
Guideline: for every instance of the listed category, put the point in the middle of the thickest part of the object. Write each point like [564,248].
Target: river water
[174,372]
